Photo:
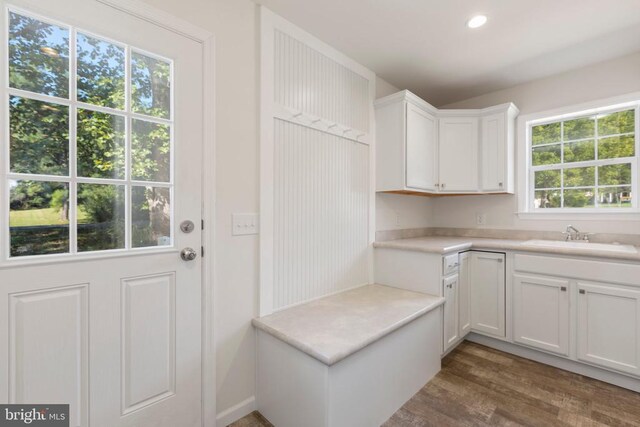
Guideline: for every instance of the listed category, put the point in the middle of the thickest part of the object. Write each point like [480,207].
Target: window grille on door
[88,148]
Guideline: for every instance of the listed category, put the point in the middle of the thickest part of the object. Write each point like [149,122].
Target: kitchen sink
[608,247]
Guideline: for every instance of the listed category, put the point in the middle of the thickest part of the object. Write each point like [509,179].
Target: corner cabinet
[458,144]
[407,145]
[423,150]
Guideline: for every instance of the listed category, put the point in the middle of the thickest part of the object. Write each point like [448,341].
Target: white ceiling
[425,46]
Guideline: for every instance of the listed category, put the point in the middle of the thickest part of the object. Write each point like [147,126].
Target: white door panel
[541,313]
[117,333]
[450,292]
[458,151]
[608,328]
[422,160]
[488,293]
[464,296]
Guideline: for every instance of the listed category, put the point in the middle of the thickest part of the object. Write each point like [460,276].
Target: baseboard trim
[236,412]
[558,362]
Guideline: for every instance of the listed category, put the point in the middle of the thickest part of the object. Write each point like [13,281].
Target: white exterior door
[541,313]
[422,156]
[488,293]
[101,165]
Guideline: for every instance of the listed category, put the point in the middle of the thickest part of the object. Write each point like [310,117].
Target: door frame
[208,144]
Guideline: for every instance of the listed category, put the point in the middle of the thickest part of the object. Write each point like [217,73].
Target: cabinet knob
[582,291]
[500,184]
[442,185]
[563,288]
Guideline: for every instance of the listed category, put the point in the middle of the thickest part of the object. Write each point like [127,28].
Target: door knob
[188,254]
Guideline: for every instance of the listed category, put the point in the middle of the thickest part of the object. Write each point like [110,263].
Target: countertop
[447,244]
[331,328]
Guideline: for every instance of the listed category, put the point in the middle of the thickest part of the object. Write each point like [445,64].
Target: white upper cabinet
[497,151]
[421,158]
[406,144]
[421,149]
[458,147]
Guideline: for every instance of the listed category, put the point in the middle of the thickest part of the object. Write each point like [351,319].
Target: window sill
[632,215]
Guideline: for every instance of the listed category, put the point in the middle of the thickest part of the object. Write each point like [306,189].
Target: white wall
[599,81]
[396,211]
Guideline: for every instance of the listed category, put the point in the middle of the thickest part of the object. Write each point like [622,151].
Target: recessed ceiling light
[477,21]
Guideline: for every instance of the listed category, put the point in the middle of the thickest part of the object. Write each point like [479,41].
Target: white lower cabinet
[451,329]
[464,295]
[541,313]
[488,293]
[608,326]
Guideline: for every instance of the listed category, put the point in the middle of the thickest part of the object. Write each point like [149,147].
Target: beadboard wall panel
[320,214]
[310,82]
[316,168]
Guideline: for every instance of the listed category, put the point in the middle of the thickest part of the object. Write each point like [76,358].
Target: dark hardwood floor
[479,386]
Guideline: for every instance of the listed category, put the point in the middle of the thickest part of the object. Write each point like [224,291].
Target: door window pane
[39,137]
[38,56]
[150,151]
[100,72]
[150,86]
[101,145]
[38,218]
[101,219]
[151,216]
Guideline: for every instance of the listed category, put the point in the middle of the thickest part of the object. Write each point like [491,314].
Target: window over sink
[583,161]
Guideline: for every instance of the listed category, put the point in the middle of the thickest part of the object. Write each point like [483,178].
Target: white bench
[350,359]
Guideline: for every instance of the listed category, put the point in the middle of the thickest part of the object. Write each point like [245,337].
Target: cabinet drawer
[450,264]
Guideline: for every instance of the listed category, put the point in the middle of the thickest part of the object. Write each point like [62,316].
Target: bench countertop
[334,327]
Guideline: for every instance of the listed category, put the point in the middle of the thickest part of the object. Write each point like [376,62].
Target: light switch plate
[244,224]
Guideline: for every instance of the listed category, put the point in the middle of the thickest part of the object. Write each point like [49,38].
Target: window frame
[526,171]
[72,179]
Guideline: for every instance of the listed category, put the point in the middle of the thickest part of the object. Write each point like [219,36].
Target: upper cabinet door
[494,153]
[458,149]
[421,153]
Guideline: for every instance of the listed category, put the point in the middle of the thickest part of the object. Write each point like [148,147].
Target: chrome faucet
[573,233]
